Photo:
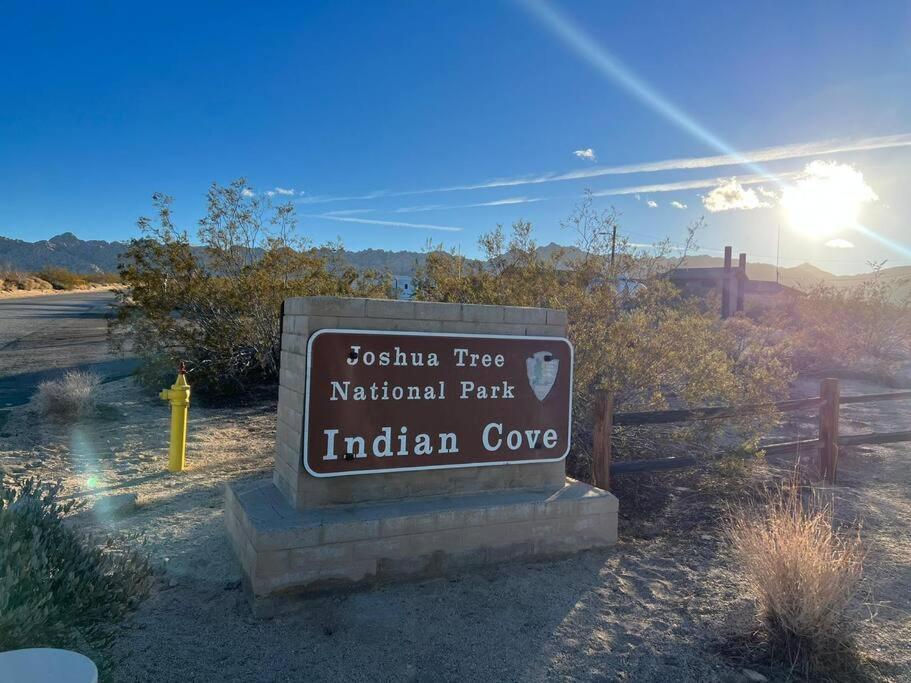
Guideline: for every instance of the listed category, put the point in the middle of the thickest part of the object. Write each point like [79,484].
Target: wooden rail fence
[825,444]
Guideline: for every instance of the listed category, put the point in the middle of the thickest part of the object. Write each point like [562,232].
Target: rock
[173,583]
[706,537]
[754,676]
[120,504]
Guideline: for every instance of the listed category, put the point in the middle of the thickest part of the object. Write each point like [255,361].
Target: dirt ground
[661,605]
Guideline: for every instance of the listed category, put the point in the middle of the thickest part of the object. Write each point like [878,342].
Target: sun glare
[826,199]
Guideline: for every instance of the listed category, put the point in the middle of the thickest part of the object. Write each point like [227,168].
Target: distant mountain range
[66,250]
[93,256]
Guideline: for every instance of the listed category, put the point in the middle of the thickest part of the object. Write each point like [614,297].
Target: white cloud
[247,192]
[652,204]
[768,194]
[839,243]
[732,196]
[270,193]
[638,197]
[288,192]
[587,154]
[393,224]
[678,205]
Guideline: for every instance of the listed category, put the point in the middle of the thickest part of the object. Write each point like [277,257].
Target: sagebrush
[57,587]
[804,576]
[867,325]
[69,397]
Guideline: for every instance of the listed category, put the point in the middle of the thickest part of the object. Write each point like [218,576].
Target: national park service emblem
[542,373]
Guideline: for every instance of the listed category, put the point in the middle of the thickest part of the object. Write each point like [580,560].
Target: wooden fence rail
[825,445]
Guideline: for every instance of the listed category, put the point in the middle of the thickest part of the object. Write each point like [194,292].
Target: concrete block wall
[285,551]
[306,315]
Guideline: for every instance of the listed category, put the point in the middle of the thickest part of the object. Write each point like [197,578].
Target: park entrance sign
[413,439]
[389,401]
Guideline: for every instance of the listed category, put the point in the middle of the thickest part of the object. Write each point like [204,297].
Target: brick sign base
[302,533]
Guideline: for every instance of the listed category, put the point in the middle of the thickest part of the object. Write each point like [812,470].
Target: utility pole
[613,248]
[777,255]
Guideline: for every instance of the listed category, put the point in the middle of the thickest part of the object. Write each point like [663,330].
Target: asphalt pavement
[42,337]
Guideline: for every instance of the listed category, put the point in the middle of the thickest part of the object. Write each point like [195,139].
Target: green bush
[217,305]
[58,588]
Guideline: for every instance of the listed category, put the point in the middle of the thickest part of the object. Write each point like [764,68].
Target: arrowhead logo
[542,370]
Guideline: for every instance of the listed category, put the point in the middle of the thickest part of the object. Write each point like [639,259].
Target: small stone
[122,503]
[706,537]
[754,676]
[173,584]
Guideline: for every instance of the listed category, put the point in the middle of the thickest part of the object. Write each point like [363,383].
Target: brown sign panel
[391,401]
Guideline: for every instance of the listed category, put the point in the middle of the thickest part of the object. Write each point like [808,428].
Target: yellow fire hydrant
[179,396]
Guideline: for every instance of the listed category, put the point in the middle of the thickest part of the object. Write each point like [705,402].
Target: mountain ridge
[92,256]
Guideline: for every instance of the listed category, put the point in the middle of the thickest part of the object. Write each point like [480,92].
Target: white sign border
[334,330]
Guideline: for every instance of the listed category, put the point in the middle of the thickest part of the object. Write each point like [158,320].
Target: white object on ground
[46,665]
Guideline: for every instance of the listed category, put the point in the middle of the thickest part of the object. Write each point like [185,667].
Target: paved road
[41,337]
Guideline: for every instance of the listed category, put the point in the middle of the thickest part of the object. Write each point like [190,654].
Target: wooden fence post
[604,425]
[828,429]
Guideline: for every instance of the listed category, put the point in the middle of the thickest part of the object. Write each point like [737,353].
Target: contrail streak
[392,224]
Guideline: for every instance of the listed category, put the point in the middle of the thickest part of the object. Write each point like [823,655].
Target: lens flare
[608,65]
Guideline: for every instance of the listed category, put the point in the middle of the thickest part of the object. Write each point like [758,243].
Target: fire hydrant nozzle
[179,396]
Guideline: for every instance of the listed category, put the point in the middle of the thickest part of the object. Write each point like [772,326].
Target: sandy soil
[659,606]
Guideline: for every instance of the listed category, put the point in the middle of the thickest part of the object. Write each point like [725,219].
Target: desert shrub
[834,327]
[62,278]
[803,576]
[69,397]
[634,334]
[12,279]
[217,305]
[58,588]
[101,278]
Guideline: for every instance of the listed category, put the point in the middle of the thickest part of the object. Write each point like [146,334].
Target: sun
[826,199]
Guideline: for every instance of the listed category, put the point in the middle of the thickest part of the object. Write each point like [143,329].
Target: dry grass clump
[69,397]
[803,575]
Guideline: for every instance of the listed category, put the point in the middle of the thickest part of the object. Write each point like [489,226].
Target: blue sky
[373,112]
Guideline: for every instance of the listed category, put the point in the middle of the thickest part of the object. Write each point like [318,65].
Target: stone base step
[286,551]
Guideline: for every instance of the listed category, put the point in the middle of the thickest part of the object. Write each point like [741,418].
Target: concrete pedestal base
[285,551]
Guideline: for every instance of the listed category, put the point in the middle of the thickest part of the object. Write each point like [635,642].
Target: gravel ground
[661,605]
